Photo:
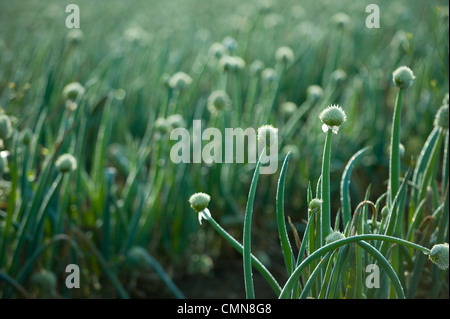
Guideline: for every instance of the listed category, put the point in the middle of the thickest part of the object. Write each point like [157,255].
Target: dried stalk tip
[314,93]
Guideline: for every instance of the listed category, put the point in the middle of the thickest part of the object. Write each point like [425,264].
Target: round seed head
[226,63]
[315,205]
[239,63]
[231,63]
[46,281]
[162,126]
[288,108]
[73,91]
[267,134]
[256,67]
[334,236]
[137,257]
[180,81]
[269,75]
[403,77]
[332,116]
[217,50]
[66,163]
[6,129]
[74,36]
[229,43]
[136,35]
[218,101]
[199,201]
[314,93]
[119,94]
[385,212]
[176,121]
[284,55]
[338,76]
[341,20]
[439,255]
[442,118]
[165,79]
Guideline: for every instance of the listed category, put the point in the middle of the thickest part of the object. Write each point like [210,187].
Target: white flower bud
[334,236]
[73,91]
[332,118]
[403,77]
[199,201]
[217,50]
[66,163]
[338,76]
[46,281]
[288,108]
[74,36]
[230,43]
[231,63]
[137,257]
[180,81]
[176,121]
[315,205]
[256,67]
[269,75]
[218,101]
[439,255]
[341,20]
[314,93]
[162,126]
[284,55]
[267,134]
